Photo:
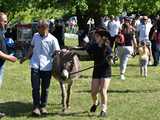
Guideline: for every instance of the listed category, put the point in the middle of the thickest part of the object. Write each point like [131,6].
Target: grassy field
[135,98]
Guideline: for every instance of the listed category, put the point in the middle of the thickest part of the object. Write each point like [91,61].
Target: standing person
[143,59]
[126,42]
[59,32]
[113,29]
[101,52]
[156,39]
[152,38]
[42,49]
[3,50]
[143,31]
[91,24]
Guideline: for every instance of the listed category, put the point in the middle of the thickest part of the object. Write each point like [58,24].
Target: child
[143,58]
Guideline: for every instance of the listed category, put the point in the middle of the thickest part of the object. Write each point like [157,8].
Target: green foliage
[33,14]
[28,10]
[82,4]
[116,7]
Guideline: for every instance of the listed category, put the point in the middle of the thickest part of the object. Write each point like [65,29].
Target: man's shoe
[44,111]
[2,114]
[103,114]
[36,112]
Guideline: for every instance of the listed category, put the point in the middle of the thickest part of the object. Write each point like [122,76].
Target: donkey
[65,69]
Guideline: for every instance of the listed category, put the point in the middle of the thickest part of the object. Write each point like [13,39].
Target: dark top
[2,47]
[59,32]
[125,39]
[102,68]
[128,38]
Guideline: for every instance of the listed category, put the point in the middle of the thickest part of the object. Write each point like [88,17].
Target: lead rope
[72,73]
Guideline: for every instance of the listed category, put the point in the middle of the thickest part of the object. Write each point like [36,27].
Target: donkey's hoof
[64,110]
[68,106]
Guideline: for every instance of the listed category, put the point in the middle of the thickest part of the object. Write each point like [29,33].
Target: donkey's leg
[69,94]
[141,70]
[63,94]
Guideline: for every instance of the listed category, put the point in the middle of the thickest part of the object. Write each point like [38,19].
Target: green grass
[135,98]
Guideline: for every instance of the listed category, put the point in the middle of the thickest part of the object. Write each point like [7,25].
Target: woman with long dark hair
[101,53]
[126,43]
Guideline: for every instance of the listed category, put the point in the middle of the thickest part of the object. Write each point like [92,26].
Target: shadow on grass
[134,91]
[90,76]
[124,91]
[15,108]
[73,114]
[65,114]
[19,109]
[129,64]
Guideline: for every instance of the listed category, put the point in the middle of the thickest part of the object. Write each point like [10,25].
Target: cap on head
[102,32]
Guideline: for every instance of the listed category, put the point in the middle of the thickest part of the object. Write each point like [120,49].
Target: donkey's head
[65,62]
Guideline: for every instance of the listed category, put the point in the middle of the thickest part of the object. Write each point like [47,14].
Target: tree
[31,9]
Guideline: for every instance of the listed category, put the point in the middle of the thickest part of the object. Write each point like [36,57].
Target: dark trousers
[112,41]
[154,52]
[40,80]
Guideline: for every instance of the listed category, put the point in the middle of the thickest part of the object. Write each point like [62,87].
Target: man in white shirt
[42,49]
[113,29]
[143,31]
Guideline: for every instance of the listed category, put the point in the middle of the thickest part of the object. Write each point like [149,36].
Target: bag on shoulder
[120,39]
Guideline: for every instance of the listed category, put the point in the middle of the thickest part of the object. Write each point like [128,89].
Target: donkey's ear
[57,52]
[72,53]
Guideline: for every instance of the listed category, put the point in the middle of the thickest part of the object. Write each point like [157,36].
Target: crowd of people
[127,34]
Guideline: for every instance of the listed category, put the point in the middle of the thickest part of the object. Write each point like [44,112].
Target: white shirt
[113,28]
[144,30]
[43,51]
[137,23]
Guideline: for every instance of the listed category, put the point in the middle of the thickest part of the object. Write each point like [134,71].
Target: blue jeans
[40,79]
[1,74]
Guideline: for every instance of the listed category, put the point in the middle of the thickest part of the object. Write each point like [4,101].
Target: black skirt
[102,71]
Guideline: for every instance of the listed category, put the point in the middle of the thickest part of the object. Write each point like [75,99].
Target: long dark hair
[104,34]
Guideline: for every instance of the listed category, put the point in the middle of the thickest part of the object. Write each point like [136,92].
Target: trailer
[24,37]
